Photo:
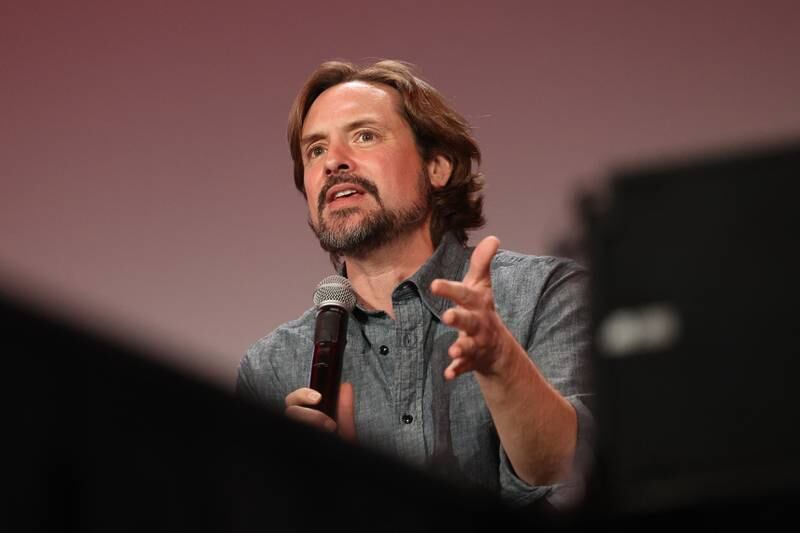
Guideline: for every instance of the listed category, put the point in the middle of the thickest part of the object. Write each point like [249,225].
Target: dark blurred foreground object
[103,439]
[696,351]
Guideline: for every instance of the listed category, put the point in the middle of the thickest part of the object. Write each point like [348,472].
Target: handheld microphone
[334,299]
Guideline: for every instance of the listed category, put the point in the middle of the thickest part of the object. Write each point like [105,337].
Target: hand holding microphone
[334,299]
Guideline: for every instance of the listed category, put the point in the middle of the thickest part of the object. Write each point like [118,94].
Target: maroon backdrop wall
[146,180]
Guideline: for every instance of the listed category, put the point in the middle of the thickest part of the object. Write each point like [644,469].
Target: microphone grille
[335,290]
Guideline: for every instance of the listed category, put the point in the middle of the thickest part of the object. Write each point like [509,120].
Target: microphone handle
[330,339]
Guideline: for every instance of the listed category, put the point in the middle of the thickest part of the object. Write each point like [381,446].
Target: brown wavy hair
[438,130]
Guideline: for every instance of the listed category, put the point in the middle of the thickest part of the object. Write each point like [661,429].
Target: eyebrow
[360,123]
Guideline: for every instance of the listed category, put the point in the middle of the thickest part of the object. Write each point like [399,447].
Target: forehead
[350,101]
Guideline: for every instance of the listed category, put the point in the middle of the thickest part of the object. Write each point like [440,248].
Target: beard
[377,227]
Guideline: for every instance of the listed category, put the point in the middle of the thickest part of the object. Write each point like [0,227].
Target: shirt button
[407,419]
[383,349]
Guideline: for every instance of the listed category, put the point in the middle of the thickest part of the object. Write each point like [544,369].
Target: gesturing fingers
[463,346]
[474,315]
[455,291]
[481,260]
[462,319]
[457,367]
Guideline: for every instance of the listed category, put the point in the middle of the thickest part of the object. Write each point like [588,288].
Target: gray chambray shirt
[403,404]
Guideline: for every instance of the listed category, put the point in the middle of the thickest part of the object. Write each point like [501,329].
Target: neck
[375,275]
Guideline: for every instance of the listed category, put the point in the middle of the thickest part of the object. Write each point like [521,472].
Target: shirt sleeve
[559,346]
[258,379]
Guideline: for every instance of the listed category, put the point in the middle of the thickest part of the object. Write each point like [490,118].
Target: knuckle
[486,299]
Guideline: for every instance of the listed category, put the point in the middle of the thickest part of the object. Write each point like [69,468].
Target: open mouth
[343,193]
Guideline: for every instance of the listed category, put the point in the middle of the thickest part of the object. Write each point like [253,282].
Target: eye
[315,151]
[365,136]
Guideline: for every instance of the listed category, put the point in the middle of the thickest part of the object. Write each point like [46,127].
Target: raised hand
[482,335]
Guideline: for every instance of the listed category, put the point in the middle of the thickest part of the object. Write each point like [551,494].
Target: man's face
[363,175]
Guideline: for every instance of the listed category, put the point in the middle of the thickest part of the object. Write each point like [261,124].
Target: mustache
[362,182]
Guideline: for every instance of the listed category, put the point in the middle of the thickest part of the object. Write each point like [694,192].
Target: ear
[439,170]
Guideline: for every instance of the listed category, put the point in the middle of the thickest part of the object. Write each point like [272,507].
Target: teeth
[341,194]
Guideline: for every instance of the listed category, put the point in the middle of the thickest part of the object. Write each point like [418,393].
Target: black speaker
[696,343]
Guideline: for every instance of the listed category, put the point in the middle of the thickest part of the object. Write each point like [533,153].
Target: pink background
[146,184]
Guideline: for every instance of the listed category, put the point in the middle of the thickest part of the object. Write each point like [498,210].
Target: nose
[338,159]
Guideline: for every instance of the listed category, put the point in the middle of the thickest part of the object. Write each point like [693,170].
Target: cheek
[311,187]
[312,208]
[312,192]
[404,180]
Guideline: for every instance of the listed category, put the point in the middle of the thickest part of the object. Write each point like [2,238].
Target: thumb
[481,260]
[345,413]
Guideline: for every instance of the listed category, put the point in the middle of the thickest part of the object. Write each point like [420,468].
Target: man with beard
[467,361]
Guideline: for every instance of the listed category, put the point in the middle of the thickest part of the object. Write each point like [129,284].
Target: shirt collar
[448,261]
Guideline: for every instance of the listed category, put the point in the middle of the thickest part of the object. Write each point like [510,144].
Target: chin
[349,217]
